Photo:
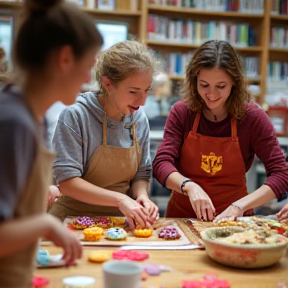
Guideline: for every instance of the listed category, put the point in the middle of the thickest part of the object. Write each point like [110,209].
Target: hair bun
[40,5]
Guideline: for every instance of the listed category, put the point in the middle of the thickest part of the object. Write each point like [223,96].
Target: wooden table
[186,265]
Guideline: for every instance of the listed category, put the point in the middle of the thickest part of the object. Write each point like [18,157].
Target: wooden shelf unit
[138,26]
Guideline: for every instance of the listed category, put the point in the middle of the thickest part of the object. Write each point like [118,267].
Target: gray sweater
[79,133]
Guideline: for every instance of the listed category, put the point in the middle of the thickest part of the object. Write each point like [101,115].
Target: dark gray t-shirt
[17,148]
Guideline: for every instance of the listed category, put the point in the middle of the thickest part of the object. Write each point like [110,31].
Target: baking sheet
[154,240]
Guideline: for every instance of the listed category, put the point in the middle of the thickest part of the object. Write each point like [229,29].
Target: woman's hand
[53,193]
[63,237]
[283,214]
[136,213]
[230,213]
[151,207]
[200,201]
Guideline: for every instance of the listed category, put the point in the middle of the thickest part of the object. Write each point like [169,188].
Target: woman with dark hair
[54,51]
[211,138]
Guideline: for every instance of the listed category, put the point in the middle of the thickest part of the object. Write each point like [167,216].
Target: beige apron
[16,270]
[110,168]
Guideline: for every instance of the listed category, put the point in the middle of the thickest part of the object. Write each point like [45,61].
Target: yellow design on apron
[111,168]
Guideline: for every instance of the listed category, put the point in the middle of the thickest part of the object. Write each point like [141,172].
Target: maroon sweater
[256,137]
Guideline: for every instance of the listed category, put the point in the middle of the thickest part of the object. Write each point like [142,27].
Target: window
[6,34]
[112,33]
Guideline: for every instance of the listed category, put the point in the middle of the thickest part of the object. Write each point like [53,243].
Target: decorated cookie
[83,222]
[99,256]
[93,233]
[152,269]
[143,233]
[129,255]
[39,281]
[118,221]
[115,233]
[43,257]
[169,233]
[103,222]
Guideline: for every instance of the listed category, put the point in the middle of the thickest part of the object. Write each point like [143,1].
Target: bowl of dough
[244,247]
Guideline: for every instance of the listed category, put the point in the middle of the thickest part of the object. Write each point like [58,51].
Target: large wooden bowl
[242,255]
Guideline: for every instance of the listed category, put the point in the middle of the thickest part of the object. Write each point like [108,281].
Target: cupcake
[103,222]
[93,233]
[143,233]
[83,222]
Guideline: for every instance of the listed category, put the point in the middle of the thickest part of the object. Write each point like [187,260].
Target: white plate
[55,261]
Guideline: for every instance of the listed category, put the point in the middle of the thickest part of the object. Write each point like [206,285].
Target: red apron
[214,163]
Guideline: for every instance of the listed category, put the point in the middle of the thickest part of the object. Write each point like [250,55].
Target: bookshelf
[257,26]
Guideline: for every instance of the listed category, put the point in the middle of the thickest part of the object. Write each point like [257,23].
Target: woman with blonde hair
[103,165]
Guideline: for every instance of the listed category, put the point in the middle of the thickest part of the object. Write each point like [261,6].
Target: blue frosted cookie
[115,233]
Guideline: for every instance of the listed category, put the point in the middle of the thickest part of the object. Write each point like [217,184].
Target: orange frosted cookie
[143,233]
[93,233]
[99,256]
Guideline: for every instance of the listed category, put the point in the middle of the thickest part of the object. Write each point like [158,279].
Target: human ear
[106,83]
[65,58]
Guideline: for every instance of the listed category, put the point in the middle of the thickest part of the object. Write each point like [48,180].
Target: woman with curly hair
[211,138]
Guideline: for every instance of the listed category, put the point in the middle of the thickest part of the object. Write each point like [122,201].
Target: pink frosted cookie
[103,222]
[129,255]
[152,269]
[169,233]
[83,222]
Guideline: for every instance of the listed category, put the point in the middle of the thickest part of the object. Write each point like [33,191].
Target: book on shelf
[187,31]
[131,5]
[106,4]
[278,71]
[279,36]
[251,66]
[175,63]
[279,7]
[240,6]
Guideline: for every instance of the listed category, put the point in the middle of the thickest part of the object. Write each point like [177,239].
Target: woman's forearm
[174,181]
[139,187]
[28,230]
[81,190]
[261,196]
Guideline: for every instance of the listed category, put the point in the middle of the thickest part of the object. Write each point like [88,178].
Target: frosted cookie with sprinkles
[83,222]
[115,233]
[169,233]
[103,222]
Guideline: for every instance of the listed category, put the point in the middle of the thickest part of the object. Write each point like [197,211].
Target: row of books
[279,7]
[279,37]
[131,5]
[175,63]
[241,6]
[277,71]
[196,32]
